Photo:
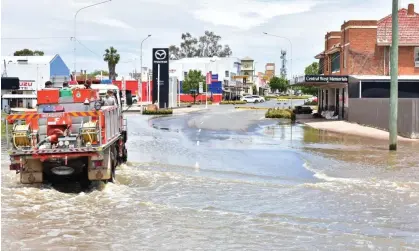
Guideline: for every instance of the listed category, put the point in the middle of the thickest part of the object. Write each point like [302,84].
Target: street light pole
[289,40]
[394,72]
[75,29]
[206,84]
[140,84]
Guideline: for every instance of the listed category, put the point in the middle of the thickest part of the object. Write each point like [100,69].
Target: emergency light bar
[57,108]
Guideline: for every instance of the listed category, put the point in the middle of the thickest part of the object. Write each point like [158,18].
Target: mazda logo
[160,54]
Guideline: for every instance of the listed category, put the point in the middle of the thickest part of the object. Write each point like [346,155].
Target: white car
[253,99]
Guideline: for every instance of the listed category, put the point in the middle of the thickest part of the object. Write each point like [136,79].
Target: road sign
[209,78]
[201,87]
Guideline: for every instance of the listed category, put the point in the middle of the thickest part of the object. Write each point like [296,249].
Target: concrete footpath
[345,127]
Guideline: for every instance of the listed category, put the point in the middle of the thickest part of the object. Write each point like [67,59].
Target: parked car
[253,99]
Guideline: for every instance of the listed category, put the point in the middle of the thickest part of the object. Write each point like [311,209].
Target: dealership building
[32,72]
[354,77]
[224,75]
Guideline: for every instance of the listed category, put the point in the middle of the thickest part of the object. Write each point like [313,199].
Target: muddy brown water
[271,187]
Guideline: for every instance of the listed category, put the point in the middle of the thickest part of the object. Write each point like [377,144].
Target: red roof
[408,29]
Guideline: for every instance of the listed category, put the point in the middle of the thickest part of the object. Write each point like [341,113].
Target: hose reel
[21,136]
[90,132]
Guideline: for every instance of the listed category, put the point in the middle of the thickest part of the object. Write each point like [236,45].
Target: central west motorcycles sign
[326,78]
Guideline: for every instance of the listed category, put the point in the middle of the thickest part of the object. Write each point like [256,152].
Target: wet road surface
[228,180]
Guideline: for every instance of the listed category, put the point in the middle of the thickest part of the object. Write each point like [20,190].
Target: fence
[375,112]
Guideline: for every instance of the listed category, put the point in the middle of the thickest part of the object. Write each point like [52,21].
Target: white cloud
[125,23]
[114,23]
[248,14]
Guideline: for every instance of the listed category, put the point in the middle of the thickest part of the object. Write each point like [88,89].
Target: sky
[48,25]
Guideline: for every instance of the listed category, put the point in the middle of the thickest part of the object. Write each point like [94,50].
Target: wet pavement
[228,180]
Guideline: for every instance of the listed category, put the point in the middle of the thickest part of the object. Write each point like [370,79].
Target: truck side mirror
[128,96]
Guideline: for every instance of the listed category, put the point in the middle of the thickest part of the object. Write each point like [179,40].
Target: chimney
[411,10]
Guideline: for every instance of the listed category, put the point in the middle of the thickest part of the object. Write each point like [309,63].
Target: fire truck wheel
[113,165]
[125,156]
[84,179]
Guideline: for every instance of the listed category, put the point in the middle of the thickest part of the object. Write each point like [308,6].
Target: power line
[88,48]
[33,38]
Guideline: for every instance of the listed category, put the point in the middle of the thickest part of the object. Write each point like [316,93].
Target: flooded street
[228,180]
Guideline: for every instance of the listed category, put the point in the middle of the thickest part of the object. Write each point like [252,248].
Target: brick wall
[406,61]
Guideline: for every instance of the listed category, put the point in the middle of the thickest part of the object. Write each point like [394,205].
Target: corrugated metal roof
[408,29]
[31,59]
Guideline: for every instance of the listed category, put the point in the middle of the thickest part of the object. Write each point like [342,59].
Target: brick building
[355,70]
[362,47]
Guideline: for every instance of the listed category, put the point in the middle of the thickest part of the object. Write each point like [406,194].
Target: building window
[416,56]
[335,62]
[227,74]
[185,73]
[321,66]
[345,54]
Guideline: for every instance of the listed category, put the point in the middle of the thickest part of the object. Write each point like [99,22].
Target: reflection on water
[273,187]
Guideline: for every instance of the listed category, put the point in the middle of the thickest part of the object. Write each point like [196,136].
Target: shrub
[158,112]
[311,103]
[277,113]
[236,102]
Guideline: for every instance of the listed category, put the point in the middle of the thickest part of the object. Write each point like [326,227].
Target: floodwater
[200,182]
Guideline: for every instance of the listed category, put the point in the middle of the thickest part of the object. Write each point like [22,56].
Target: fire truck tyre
[84,179]
[113,165]
[125,156]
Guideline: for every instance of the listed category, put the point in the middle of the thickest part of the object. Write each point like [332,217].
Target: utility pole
[394,63]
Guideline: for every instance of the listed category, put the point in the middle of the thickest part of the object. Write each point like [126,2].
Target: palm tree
[112,57]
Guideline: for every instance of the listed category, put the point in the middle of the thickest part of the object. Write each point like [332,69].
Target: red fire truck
[70,137]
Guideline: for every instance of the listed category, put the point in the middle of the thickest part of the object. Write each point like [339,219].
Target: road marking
[199,130]
[197,142]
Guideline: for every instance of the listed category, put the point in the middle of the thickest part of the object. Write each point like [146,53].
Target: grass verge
[158,112]
[237,102]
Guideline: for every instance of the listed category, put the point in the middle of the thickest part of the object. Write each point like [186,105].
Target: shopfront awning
[22,96]
[320,80]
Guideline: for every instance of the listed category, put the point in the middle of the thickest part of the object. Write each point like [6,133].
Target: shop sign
[326,79]
[27,85]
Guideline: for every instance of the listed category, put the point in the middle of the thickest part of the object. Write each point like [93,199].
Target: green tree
[254,89]
[191,83]
[312,69]
[27,52]
[98,72]
[112,57]
[207,45]
[278,84]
